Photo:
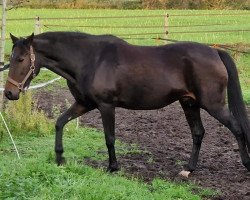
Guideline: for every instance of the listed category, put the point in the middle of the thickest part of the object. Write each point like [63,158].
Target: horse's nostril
[8,94]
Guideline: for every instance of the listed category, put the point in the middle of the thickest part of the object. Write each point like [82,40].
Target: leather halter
[20,85]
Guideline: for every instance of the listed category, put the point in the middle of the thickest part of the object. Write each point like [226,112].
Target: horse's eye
[20,59]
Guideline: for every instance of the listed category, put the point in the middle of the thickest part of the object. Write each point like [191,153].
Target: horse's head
[22,67]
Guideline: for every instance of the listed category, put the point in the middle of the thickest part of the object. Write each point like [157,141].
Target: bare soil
[164,137]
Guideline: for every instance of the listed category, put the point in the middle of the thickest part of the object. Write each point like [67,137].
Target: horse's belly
[141,106]
[146,103]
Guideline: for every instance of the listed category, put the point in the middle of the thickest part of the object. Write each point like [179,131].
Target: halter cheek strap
[20,85]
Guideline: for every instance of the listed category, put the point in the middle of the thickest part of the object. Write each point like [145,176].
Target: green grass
[26,27]
[244,73]
[22,28]
[35,176]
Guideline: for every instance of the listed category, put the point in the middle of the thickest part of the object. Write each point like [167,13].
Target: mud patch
[165,138]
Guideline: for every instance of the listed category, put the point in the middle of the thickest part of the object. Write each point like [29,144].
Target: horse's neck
[50,59]
[62,73]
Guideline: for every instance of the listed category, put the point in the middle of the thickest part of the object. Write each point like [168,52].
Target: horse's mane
[62,36]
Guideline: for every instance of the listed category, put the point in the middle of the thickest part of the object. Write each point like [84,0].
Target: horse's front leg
[108,119]
[73,112]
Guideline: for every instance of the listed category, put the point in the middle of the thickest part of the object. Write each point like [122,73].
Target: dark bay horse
[105,72]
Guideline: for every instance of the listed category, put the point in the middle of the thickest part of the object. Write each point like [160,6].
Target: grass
[26,27]
[244,73]
[35,176]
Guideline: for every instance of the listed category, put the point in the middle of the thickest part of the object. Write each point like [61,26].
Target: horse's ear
[13,38]
[29,39]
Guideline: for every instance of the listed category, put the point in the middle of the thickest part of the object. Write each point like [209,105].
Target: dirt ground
[165,138]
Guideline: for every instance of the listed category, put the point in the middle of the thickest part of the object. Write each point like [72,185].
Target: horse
[104,72]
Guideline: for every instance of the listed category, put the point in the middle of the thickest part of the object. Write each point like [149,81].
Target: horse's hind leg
[192,113]
[73,112]
[224,116]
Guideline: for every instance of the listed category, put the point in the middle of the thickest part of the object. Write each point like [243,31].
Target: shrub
[138,4]
[23,117]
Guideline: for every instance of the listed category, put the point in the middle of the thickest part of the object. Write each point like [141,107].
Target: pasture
[76,179]
[36,176]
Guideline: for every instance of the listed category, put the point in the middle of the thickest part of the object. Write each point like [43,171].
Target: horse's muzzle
[10,95]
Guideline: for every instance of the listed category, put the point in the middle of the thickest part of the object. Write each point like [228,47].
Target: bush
[139,4]
[23,117]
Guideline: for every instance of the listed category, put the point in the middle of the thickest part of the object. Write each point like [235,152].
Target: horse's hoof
[189,168]
[113,168]
[60,161]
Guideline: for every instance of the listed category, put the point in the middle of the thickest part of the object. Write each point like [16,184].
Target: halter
[20,85]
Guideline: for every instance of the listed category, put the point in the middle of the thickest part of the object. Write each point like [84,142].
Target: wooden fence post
[37,25]
[2,47]
[166,27]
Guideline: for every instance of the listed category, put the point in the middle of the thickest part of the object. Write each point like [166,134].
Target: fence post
[3,26]
[37,25]
[166,27]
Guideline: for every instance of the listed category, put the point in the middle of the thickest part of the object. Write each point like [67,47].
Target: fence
[165,32]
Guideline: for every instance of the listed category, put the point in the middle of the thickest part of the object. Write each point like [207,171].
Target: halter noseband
[20,85]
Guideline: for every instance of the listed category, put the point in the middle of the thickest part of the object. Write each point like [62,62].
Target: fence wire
[133,27]
[131,16]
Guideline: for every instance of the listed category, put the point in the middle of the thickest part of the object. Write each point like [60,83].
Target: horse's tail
[235,98]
